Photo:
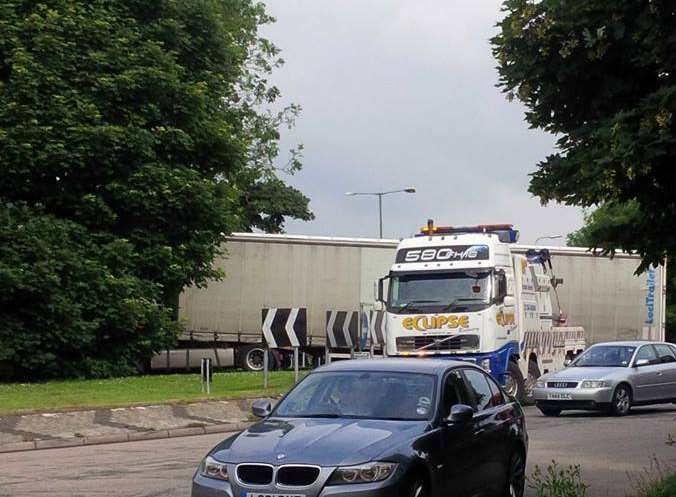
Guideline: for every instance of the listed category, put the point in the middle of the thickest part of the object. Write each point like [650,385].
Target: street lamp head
[410,189]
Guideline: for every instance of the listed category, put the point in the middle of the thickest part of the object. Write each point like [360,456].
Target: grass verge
[151,389]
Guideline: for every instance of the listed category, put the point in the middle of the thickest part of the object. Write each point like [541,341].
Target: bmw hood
[325,442]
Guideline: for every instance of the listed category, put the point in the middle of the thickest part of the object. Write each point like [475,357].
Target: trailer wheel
[514,382]
[251,357]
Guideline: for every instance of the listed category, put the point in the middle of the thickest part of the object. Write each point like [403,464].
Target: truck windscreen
[439,291]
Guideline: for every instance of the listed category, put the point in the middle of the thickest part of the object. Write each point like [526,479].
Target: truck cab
[461,293]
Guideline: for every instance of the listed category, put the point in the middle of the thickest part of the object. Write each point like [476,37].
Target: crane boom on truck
[463,293]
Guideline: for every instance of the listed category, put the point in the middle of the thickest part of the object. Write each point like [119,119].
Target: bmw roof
[401,365]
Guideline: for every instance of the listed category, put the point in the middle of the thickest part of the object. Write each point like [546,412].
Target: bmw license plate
[559,396]
[263,494]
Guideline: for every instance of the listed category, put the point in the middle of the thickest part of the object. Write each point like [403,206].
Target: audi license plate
[263,494]
[559,396]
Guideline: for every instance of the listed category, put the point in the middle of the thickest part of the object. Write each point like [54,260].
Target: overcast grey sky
[399,93]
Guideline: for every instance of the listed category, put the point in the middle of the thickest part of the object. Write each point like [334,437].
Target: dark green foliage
[601,74]
[142,125]
[71,303]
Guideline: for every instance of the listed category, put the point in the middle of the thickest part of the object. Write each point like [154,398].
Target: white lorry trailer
[322,274]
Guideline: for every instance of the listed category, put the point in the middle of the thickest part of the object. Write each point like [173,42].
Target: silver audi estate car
[612,377]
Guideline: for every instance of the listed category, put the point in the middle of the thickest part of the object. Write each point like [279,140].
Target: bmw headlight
[364,473]
[211,468]
[594,384]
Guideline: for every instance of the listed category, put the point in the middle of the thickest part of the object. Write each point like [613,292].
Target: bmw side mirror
[642,362]
[460,414]
[261,408]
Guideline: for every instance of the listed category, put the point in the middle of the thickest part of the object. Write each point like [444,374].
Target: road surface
[606,448]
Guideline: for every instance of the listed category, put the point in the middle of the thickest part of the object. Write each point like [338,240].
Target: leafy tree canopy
[139,126]
[601,75]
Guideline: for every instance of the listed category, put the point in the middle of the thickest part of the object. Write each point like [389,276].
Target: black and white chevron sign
[285,327]
[377,327]
[342,329]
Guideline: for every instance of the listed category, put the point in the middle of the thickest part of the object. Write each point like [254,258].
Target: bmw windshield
[439,291]
[367,395]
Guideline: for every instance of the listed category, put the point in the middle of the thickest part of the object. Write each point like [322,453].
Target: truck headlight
[364,473]
[594,384]
[211,468]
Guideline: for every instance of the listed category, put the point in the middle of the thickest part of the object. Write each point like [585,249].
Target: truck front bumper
[494,362]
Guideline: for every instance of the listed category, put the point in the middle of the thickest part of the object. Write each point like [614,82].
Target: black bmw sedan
[376,428]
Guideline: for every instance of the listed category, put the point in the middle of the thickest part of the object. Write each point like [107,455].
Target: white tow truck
[463,293]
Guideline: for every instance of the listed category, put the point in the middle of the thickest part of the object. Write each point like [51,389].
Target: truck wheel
[514,383]
[251,357]
[533,375]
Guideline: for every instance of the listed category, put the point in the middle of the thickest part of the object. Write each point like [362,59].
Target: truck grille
[254,474]
[434,343]
[297,476]
[561,384]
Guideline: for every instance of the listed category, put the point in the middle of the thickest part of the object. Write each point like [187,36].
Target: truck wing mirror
[381,291]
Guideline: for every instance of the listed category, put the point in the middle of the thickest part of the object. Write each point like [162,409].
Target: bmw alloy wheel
[517,476]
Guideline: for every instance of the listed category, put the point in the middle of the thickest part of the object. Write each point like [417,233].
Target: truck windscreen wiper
[451,304]
[408,304]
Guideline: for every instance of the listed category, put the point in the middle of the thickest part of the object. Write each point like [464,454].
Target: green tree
[71,303]
[601,75]
[144,123]
[607,224]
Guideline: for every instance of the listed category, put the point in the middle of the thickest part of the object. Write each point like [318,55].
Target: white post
[202,374]
[295,364]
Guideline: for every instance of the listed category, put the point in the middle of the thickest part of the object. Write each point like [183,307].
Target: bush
[655,481]
[556,482]
[664,488]
[72,306]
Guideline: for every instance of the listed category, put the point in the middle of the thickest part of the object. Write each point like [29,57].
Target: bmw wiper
[319,415]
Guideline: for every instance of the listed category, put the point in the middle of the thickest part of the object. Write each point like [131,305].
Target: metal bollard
[206,370]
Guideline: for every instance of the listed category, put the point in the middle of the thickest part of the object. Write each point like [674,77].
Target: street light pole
[380,195]
[380,214]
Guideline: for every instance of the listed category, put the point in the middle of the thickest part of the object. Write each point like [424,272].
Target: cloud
[398,93]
